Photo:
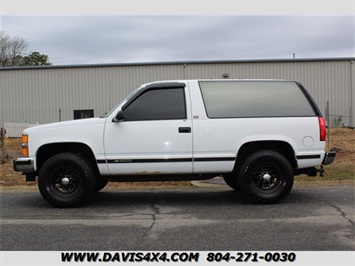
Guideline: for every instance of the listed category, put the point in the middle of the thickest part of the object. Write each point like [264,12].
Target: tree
[10,49]
[12,53]
[34,59]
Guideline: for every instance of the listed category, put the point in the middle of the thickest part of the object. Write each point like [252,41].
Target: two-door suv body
[257,134]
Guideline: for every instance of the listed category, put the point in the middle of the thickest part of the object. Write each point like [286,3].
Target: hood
[71,123]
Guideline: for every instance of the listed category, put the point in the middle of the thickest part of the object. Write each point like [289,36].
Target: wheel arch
[279,146]
[48,150]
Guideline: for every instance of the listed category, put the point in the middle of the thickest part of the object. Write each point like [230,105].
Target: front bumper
[26,167]
[328,158]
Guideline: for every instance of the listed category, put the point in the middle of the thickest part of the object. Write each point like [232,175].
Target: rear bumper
[312,171]
[328,158]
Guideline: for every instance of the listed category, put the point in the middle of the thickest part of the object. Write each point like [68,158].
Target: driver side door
[154,135]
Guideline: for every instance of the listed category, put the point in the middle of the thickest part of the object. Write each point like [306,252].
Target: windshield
[120,103]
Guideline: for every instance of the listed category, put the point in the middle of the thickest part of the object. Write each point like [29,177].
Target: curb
[214,182]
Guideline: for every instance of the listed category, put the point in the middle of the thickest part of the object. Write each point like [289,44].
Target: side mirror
[119,117]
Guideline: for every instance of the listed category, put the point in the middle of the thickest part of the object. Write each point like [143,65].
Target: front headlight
[24,145]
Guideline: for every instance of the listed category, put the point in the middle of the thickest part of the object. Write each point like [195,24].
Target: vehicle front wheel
[66,180]
[100,183]
[266,177]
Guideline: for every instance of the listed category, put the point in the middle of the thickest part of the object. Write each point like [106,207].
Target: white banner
[295,258]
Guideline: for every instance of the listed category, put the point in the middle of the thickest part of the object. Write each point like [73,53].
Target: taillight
[322,129]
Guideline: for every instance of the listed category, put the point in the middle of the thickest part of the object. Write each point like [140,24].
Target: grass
[342,140]
[342,170]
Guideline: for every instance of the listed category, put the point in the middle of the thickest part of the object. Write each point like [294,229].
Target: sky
[109,38]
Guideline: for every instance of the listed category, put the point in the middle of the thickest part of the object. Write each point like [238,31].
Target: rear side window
[157,104]
[224,99]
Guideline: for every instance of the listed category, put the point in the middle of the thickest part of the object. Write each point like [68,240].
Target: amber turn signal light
[24,145]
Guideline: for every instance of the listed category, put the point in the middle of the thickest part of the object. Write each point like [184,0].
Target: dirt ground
[342,170]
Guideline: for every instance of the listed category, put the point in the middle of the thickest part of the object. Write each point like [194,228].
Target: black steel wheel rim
[65,181]
[266,177]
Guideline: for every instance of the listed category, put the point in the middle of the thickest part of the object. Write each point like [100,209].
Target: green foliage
[12,51]
[34,59]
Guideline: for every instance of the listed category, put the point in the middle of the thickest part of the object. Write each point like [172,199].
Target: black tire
[100,183]
[231,181]
[66,180]
[265,177]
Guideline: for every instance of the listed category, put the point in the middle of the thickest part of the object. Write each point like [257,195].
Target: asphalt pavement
[197,218]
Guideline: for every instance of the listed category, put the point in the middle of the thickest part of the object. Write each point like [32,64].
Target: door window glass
[157,104]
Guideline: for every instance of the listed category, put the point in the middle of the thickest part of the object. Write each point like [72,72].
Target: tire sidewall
[72,162]
[231,181]
[272,160]
[100,184]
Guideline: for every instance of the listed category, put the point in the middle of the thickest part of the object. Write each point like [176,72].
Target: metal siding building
[49,94]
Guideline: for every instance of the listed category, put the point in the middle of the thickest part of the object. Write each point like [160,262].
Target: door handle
[184,129]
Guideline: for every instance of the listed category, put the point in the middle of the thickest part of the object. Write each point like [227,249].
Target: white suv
[258,134]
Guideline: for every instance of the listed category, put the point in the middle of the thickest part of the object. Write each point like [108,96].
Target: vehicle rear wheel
[231,181]
[66,180]
[266,177]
